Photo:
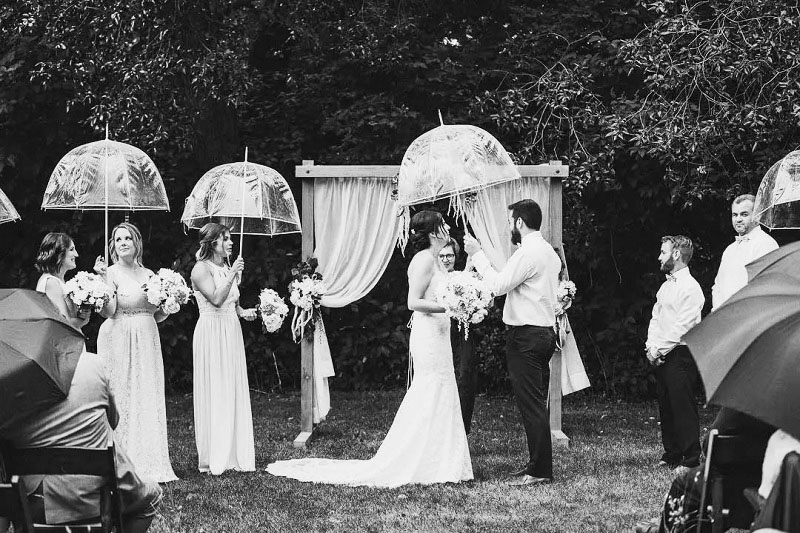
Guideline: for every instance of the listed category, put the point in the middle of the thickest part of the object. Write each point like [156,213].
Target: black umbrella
[748,350]
[785,259]
[39,351]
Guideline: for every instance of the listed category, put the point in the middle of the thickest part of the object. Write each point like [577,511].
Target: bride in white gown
[427,442]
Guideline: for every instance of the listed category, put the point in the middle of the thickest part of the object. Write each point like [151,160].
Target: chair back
[58,461]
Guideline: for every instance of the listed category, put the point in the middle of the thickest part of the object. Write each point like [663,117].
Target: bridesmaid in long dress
[222,417]
[56,257]
[130,345]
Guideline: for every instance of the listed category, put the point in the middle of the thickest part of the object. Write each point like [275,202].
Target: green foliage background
[664,110]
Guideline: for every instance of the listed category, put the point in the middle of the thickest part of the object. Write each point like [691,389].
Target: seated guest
[84,420]
[778,505]
[683,499]
[779,446]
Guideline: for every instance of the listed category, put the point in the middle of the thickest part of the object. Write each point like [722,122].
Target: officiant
[465,360]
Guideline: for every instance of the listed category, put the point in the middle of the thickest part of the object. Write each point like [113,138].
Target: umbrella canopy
[248,198]
[777,203]
[451,160]
[39,351]
[7,211]
[748,350]
[785,259]
[106,175]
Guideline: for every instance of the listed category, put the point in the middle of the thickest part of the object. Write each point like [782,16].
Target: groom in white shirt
[679,303]
[530,278]
[750,244]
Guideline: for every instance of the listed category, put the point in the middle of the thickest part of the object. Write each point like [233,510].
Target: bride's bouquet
[564,296]
[273,310]
[87,290]
[305,293]
[167,290]
[465,298]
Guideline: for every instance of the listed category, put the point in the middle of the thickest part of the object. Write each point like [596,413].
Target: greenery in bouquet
[88,290]
[273,310]
[465,298]
[305,293]
[167,290]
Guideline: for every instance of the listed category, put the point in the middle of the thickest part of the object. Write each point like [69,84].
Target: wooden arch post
[308,172]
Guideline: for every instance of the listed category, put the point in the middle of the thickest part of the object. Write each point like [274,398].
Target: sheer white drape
[355,227]
[490,222]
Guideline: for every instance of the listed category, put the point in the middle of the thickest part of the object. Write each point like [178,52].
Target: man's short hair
[681,243]
[743,198]
[529,211]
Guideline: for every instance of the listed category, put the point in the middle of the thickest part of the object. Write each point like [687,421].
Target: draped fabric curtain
[355,226]
[490,222]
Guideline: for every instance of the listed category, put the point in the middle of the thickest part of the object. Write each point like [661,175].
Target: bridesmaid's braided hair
[208,235]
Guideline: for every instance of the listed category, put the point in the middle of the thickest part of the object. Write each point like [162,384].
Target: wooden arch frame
[309,173]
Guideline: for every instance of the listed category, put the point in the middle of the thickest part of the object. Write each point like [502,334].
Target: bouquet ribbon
[300,319]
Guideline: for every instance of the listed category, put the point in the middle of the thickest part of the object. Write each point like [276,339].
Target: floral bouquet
[564,296]
[305,293]
[167,290]
[273,310]
[88,290]
[465,298]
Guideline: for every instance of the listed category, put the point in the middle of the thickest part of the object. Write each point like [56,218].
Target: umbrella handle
[241,223]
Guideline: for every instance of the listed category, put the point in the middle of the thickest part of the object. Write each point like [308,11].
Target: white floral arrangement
[564,296]
[167,290]
[273,310]
[88,290]
[305,293]
[466,298]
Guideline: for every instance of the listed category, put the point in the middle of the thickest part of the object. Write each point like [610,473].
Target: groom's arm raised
[517,269]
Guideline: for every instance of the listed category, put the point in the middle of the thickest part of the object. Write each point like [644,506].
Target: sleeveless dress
[130,346]
[223,421]
[426,442]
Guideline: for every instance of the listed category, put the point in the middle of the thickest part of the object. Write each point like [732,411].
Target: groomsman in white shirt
[750,244]
[679,303]
[530,278]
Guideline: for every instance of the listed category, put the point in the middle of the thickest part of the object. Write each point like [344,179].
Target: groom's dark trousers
[528,353]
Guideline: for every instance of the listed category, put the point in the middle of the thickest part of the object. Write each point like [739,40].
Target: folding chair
[99,462]
[724,453]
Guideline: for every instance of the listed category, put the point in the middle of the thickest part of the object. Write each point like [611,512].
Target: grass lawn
[605,481]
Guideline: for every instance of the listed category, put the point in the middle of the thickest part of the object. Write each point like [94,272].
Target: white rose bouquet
[465,298]
[564,296]
[167,290]
[305,293]
[273,310]
[88,290]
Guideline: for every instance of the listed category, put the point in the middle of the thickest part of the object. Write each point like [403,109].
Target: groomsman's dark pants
[677,407]
[528,353]
[466,366]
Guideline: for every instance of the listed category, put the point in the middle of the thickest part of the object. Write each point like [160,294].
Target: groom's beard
[516,236]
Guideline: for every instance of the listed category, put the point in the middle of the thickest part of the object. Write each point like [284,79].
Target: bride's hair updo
[208,236]
[423,224]
[52,251]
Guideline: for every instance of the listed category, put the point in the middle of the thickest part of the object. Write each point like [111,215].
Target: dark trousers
[677,408]
[465,362]
[528,353]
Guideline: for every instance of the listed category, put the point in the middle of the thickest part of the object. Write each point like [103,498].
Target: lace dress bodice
[431,328]
[219,273]
[131,298]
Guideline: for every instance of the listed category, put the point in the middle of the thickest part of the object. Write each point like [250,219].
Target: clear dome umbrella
[7,211]
[777,203]
[250,199]
[106,175]
[451,161]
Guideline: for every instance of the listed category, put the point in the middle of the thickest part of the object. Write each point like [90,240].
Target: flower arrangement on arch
[305,293]
[465,298]
[87,290]
[167,290]
[273,310]
[565,294]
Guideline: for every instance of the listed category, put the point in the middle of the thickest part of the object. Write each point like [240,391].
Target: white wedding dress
[427,442]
